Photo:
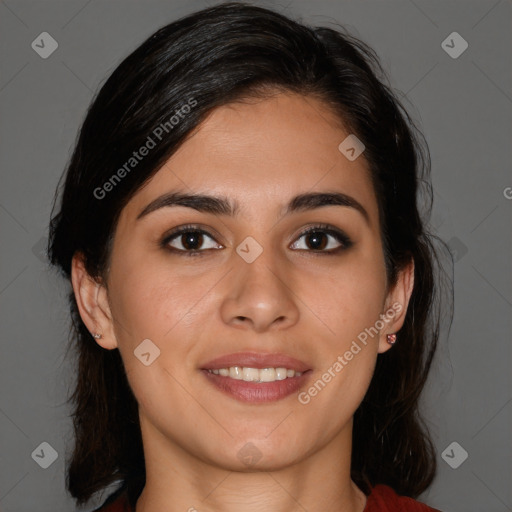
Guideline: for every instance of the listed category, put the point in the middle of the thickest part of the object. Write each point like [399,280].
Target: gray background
[463,106]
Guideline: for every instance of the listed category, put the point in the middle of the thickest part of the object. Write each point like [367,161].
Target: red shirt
[381,499]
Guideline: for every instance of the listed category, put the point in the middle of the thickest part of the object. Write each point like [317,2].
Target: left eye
[318,240]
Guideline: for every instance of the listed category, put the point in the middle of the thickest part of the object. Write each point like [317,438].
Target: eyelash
[340,237]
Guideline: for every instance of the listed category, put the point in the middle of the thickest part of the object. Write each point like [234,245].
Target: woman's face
[256,285]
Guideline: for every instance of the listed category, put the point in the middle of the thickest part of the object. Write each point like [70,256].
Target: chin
[254,455]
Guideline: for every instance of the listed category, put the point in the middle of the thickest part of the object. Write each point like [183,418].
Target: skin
[260,153]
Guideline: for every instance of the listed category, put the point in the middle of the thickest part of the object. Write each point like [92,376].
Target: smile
[256,374]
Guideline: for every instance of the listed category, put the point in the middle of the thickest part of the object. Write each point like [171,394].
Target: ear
[93,306]
[396,304]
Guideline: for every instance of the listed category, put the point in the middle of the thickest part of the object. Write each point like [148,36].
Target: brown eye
[316,240]
[190,241]
[319,238]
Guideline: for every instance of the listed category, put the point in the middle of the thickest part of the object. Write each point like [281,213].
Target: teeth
[256,374]
[281,373]
[267,375]
[251,374]
[235,372]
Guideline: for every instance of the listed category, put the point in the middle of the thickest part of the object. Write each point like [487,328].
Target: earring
[97,336]
[391,338]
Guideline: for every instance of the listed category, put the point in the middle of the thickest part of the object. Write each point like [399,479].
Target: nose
[259,296]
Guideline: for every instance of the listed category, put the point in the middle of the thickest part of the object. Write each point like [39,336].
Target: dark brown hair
[214,57]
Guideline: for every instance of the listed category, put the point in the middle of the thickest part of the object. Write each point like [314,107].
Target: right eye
[192,241]
[189,240]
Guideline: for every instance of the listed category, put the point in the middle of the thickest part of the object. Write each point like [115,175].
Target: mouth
[248,374]
[255,377]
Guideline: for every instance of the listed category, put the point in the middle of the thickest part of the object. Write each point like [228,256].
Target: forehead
[262,152]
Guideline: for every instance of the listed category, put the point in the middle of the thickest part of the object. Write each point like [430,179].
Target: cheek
[151,300]
[347,299]
[168,309]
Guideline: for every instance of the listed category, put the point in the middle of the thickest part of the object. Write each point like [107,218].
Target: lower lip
[257,392]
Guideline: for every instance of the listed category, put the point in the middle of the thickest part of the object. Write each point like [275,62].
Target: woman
[254,296]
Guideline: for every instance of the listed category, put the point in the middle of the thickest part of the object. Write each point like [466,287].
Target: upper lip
[256,360]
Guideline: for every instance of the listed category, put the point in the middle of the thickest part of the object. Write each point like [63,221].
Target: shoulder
[384,499]
[117,502]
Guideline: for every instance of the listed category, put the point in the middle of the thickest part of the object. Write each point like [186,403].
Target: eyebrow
[220,205]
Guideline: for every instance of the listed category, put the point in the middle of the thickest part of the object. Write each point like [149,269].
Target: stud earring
[97,336]
[391,338]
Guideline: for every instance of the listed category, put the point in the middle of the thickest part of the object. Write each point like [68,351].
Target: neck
[177,480]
